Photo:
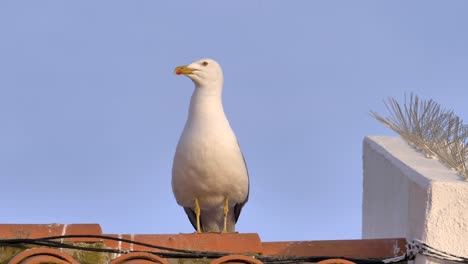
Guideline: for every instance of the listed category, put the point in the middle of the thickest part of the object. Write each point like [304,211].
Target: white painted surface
[409,195]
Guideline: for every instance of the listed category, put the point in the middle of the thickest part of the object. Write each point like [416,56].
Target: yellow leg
[226,211]
[197,213]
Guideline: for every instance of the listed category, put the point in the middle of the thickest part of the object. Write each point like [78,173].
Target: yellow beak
[183,70]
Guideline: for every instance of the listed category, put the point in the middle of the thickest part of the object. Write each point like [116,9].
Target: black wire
[426,250]
[56,244]
[176,253]
[135,242]
[441,253]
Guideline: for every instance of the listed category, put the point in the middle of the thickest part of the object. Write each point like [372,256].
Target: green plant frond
[428,127]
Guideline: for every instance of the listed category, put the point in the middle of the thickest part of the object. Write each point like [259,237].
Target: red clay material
[236,259]
[138,258]
[231,243]
[42,255]
[335,261]
[366,248]
[46,230]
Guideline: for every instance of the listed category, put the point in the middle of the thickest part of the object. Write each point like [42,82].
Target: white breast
[208,163]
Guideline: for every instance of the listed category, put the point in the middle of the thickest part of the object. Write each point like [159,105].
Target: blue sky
[91,111]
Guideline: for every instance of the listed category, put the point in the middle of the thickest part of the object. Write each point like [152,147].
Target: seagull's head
[204,73]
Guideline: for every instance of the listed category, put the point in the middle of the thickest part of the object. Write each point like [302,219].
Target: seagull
[209,174]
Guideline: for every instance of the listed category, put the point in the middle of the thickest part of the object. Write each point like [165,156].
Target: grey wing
[192,217]
[238,207]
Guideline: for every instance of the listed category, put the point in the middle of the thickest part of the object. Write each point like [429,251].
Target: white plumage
[209,174]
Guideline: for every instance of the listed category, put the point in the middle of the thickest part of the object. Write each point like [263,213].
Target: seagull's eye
[205,63]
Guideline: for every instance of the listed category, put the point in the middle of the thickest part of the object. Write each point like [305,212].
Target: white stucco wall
[408,195]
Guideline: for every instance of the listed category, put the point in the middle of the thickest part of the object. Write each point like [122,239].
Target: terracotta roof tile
[47,230]
[366,248]
[138,258]
[42,255]
[236,259]
[243,248]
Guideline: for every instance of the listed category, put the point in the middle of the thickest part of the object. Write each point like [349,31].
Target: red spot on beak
[178,72]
